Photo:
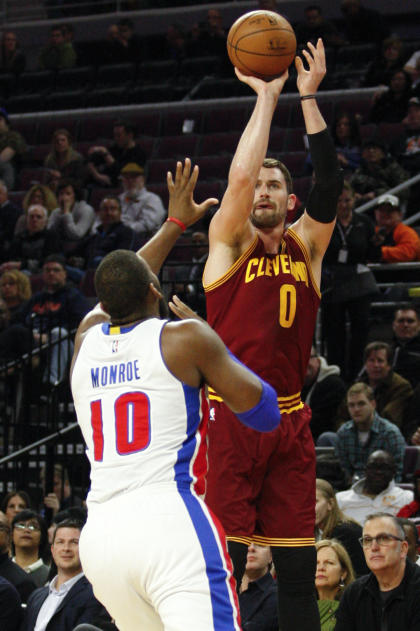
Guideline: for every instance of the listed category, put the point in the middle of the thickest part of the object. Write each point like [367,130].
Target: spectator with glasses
[29,536]
[9,570]
[388,597]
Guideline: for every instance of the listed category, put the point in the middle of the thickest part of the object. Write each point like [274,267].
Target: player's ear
[291,201]
[156,293]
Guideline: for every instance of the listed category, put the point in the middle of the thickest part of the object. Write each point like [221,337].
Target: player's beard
[267,217]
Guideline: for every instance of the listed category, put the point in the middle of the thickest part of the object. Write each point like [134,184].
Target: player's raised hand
[308,80]
[181,189]
[182,310]
[259,85]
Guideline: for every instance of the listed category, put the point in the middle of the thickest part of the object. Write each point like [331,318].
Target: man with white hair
[30,247]
[388,597]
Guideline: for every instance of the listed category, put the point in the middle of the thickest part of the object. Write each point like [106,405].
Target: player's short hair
[122,282]
[273,163]
[378,346]
[361,388]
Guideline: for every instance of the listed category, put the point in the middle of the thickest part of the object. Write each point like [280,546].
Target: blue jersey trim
[223,611]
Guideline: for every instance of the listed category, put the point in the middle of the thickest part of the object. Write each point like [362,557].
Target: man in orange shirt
[398,242]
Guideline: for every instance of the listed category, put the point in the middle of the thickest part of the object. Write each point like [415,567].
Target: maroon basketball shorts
[262,486]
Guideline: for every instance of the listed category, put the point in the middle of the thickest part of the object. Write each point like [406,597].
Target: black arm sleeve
[323,197]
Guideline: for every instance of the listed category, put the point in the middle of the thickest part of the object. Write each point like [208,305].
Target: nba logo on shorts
[114,346]
[211,415]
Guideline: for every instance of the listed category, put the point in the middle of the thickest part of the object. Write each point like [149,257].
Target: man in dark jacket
[323,391]
[258,597]
[388,597]
[406,327]
[54,312]
[68,600]
[10,606]
[111,234]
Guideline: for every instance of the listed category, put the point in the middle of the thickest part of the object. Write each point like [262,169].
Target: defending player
[154,554]
[262,291]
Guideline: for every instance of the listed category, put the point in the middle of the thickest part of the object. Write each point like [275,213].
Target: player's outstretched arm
[182,208]
[230,224]
[195,353]
[317,223]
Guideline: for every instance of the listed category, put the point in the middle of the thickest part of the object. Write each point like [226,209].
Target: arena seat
[66,100]
[294,139]
[219,144]
[153,72]
[116,75]
[173,122]
[39,81]
[7,84]
[277,139]
[214,167]
[226,119]
[82,77]
[177,147]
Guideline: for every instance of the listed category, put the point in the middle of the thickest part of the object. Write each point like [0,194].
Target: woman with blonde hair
[334,572]
[15,289]
[331,522]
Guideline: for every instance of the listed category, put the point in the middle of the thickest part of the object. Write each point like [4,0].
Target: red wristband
[178,222]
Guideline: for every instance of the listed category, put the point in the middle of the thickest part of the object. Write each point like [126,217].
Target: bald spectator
[392,392]
[399,243]
[376,491]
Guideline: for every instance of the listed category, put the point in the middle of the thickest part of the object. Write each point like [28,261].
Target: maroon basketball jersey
[264,309]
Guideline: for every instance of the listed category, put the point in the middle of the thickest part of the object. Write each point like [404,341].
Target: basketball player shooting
[262,292]
[153,552]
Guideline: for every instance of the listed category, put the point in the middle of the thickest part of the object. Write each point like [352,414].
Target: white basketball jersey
[141,424]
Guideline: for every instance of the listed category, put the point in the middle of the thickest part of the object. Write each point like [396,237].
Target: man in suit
[68,600]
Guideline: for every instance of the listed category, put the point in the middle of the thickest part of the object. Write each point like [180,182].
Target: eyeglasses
[383,539]
[32,527]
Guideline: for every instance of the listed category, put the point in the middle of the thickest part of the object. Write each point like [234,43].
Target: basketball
[261,44]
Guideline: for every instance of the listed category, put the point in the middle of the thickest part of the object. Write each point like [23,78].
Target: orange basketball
[262,44]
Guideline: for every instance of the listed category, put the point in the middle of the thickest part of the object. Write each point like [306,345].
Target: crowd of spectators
[364,396]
